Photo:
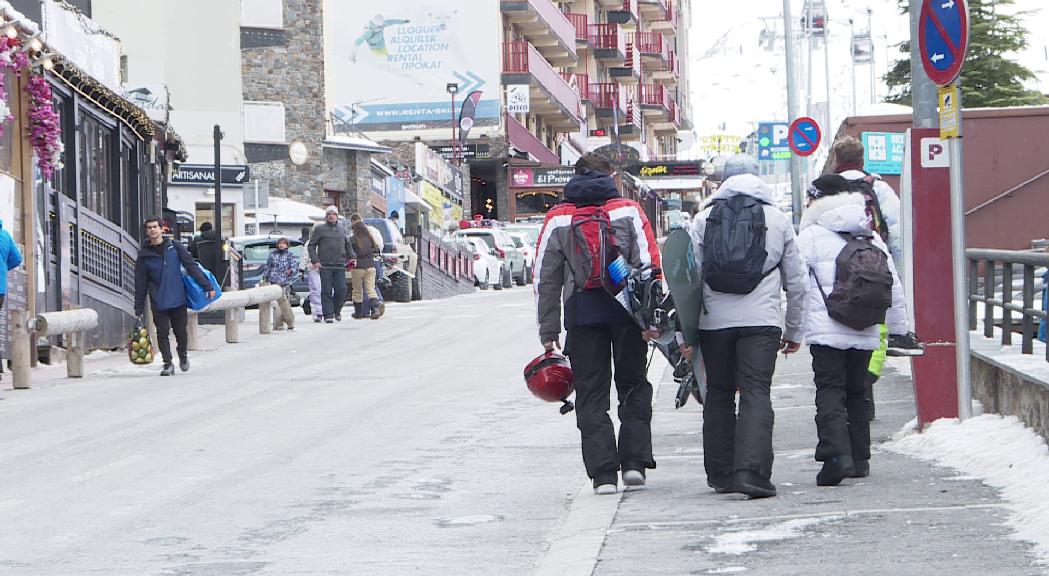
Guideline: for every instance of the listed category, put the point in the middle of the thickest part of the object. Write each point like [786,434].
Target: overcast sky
[740,84]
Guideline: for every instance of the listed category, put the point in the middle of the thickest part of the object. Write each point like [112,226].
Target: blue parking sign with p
[773,141]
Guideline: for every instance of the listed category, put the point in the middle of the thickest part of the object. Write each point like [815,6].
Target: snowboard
[686,290]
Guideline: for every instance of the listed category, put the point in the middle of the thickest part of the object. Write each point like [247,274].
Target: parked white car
[524,243]
[487,266]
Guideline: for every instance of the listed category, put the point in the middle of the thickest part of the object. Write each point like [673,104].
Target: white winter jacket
[762,307]
[820,244]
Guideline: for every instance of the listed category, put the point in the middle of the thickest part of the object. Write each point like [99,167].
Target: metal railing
[608,37]
[581,23]
[651,44]
[986,267]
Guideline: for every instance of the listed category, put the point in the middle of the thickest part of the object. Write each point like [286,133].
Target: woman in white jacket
[840,355]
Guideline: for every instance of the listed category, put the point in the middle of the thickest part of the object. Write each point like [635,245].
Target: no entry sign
[804,136]
[943,36]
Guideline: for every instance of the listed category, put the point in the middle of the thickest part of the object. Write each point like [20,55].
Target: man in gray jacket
[742,327]
[330,251]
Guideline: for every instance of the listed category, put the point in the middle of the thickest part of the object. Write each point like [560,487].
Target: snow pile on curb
[1001,452]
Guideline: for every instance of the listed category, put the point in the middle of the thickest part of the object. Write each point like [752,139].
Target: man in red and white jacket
[600,331]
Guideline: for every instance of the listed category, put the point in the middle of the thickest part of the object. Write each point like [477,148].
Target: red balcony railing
[653,44]
[608,37]
[633,58]
[672,64]
[631,7]
[520,57]
[669,14]
[579,82]
[655,95]
[608,95]
[581,23]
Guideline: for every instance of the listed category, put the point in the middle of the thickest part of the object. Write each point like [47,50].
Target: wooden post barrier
[75,324]
[232,302]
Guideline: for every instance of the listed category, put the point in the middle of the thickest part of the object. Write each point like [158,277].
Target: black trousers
[593,350]
[741,359]
[173,320]
[842,419]
[333,291]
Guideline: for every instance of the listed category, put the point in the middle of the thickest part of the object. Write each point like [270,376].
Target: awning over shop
[291,212]
[412,199]
[523,140]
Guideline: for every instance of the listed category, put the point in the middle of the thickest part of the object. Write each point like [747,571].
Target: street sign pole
[943,38]
[961,290]
[796,162]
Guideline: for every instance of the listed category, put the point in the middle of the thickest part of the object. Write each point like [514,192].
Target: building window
[96,179]
[262,13]
[264,122]
[131,200]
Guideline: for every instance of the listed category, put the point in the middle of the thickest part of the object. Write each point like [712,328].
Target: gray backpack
[862,285]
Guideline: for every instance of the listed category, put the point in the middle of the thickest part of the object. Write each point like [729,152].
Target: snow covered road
[406,445]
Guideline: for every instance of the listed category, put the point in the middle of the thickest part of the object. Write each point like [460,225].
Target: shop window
[130,199]
[96,179]
[205,212]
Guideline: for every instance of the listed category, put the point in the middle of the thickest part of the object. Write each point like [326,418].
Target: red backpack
[592,248]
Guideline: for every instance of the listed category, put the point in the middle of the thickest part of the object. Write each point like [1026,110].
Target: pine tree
[989,78]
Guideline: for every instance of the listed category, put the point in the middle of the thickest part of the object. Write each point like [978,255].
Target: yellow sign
[950,112]
[435,200]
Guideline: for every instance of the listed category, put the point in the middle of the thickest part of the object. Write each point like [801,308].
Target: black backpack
[862,285]
[865,186]
[734,246]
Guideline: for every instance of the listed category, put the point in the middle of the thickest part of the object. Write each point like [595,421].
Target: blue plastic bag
[196,299]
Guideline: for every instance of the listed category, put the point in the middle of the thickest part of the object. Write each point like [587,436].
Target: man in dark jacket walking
[158,274]
[330,251]
[600,331]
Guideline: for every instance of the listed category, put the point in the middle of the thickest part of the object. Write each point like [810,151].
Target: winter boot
[375,309]
[861,469]
[753,484]
[358,308]
[835,470]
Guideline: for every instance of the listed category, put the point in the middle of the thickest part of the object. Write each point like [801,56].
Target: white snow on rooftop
[1002,453]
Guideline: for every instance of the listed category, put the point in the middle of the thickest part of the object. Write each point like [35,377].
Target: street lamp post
[453,89]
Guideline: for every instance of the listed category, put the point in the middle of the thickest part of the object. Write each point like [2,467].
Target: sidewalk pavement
[908,517]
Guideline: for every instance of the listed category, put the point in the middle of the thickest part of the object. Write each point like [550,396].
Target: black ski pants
[174,320]
[842,418]
[593,350]
[741,359]
[333,291]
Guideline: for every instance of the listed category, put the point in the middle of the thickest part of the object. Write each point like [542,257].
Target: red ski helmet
[549,378]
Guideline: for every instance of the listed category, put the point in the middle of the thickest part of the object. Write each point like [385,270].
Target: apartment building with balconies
[596,72]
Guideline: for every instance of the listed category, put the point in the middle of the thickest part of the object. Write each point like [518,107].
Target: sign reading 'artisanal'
[204,175]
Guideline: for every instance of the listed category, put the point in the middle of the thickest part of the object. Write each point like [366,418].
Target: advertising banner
[389,67]
[430,165]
